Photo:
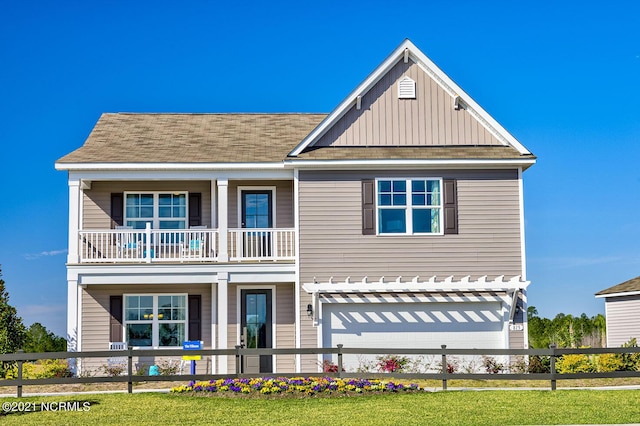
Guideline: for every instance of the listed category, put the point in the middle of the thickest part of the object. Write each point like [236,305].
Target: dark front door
[256,329]
[257,213]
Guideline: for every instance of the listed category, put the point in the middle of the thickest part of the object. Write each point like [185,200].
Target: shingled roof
[193,138]
[632,285]
[239,138]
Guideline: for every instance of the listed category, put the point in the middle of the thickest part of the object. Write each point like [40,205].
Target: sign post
[192,345]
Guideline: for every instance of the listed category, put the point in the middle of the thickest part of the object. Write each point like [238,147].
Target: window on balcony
[155,320]
[162,210]
[409,206]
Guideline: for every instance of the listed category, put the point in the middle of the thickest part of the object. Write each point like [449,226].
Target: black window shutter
[368,207]
[115,322]
[450,206]
[195,317]
[195,209]
[117,208]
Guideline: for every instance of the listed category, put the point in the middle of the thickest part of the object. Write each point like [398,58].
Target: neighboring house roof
[631,286]
[193,138]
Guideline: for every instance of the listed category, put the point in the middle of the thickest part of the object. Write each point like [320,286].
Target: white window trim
[155,221]
[409,207]
[155,323]
[257,188]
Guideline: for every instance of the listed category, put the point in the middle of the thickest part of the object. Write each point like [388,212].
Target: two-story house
[394,221]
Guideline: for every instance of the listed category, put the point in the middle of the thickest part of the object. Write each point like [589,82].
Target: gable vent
[406,88]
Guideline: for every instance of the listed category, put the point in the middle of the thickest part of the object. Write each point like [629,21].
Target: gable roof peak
[408,51]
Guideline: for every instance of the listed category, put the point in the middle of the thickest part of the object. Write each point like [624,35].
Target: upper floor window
[163,210]
[409,206]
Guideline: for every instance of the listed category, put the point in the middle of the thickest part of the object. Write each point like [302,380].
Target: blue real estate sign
[192,345]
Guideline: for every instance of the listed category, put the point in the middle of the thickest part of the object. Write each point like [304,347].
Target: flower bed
[293,386]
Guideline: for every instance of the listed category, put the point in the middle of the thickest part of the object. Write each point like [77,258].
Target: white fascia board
[115,175]
[168,166]
[431,69]
[621,294]
[404,163]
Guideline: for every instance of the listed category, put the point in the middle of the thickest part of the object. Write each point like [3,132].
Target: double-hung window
[162,210]
[155,320]
[409,206]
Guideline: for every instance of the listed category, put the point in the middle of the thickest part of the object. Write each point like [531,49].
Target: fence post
[444,366]
[238,370]
[340,360]
[20,362]
[553,366]
[130,371]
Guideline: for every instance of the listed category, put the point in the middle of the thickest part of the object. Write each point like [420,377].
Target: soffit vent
[406,88]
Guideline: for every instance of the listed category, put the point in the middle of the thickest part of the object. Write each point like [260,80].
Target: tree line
[566,331]
[14,335]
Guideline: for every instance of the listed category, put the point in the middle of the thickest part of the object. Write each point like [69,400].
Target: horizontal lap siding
[284,201]
[284,321]
[623,319]
[96,207]
[95,312]
[332,244]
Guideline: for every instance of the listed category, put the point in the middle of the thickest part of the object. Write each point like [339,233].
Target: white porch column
[223,283]
[74,220]
[72,321]
[223,219]
[296,215]
[214,323]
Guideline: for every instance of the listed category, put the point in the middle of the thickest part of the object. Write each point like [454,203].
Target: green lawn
[441,408]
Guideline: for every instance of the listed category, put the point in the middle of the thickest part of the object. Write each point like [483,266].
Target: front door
[257,213]
[256,329]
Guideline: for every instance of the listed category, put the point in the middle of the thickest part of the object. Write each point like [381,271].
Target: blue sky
[562,77]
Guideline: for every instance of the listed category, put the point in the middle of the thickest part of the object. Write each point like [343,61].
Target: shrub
[539,364]
[113,370]
[45,369]
[54,368]
[574,363]
[167,368]
[630,361]
[491,366]
[329,367]
[608,362]
[392,363]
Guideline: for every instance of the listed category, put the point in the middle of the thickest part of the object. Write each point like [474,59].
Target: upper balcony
[193,245]
[180,221]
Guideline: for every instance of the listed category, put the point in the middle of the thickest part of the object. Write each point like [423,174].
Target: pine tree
[12,331]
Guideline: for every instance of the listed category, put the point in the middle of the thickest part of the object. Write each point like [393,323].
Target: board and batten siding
[623,319]
[96,315]
[428,120]
[332,244]
[96,206]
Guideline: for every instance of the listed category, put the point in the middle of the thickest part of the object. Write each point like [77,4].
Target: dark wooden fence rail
[21,357]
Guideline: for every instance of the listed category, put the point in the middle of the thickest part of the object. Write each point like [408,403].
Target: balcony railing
[257,244]
[192,245]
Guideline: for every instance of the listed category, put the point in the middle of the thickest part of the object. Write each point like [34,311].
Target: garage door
[413,325]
